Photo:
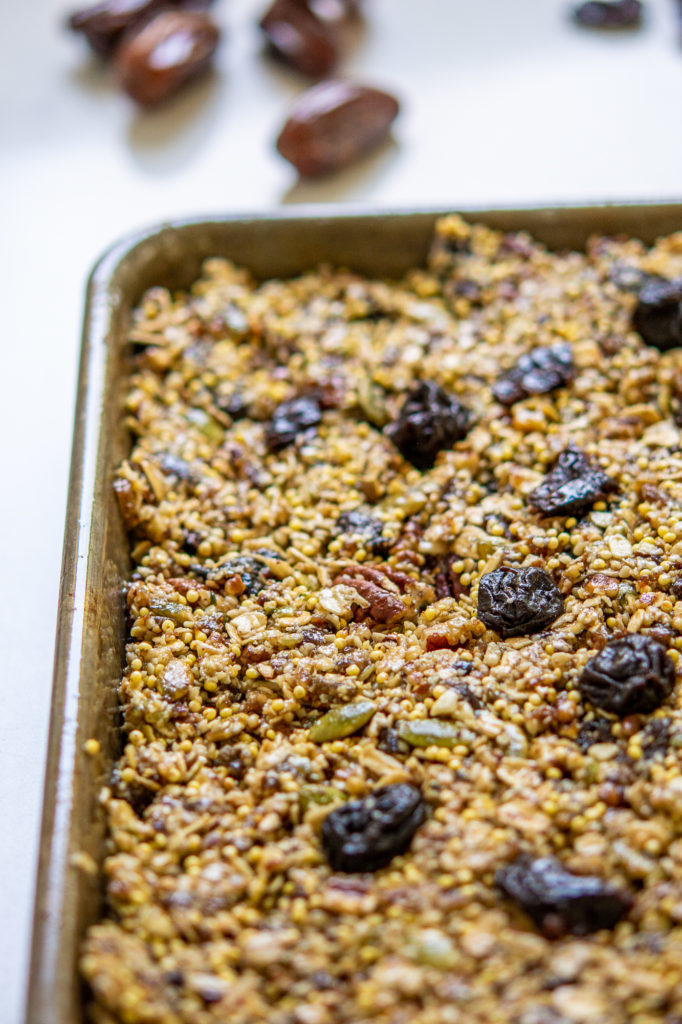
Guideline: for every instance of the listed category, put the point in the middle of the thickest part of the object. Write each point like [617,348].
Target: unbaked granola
[304,631]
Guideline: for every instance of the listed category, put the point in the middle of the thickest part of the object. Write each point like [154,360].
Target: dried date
[166,53]
[429,421]
[572,486]
[518,602]
[103,24]
[365,835]
[560,902]
[537,372]
[609,14]
[633,674]
[299,38]
[658,314]
[333,124]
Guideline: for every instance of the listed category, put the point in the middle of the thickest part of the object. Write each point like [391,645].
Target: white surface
[503,103]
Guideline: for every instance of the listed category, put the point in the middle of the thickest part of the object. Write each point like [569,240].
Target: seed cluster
[345,795]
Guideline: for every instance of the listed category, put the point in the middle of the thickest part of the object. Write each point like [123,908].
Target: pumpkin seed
[207,424]
[170,610]
[342,721]
[371,401]
[309,795]
[429,732]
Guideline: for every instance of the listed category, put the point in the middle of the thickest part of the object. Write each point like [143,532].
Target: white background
[502,103]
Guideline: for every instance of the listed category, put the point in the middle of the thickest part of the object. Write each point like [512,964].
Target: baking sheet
[91,629]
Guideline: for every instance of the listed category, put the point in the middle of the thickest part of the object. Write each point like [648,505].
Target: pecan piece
[378,586]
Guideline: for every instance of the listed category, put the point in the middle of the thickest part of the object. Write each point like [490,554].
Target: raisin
[429,421]
[237,760]
[676,588]
[236,405]
[609,14]
[629,278]
[537,372]
[333,124]
[596,731]
[518,602]
[560,902]
[252,572]
[656,737]
[191,541]
[299,38]
[572,486]
[658,313]
[390,742]
[165,54]
[136,793]
[366,527]
[631,675]
[365,835]
[290,419]
[466,693]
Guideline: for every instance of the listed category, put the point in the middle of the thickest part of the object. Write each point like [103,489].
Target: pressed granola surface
[255,612]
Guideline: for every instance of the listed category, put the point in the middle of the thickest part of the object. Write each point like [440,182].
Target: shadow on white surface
[94,74]
[333,187]
[166,138]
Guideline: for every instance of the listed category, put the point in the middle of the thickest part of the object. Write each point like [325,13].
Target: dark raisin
[560,902]
[390,742]
[192,540]
[536,373]
[676,588]
[365,835]
[252,572]
[366,527]
[176,466]
[609,14]
[518,602]
[235,404]
[572,486]
[656,737]
[596,731]
[466,693]
[658,313]
[322,980]
[631,675]
[429,421]
[312,635]
[237,760]
[629,278]
[136,793]
[290,419]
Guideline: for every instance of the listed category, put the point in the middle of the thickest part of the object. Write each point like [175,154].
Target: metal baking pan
[90,630]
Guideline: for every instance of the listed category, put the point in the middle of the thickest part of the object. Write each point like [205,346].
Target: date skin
[333,124]
[166,53]
[299,38]
[104,24]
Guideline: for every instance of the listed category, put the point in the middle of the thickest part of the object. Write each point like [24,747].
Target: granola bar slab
[306,631]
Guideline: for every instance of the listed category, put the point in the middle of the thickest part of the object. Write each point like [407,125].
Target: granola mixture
[305,632]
